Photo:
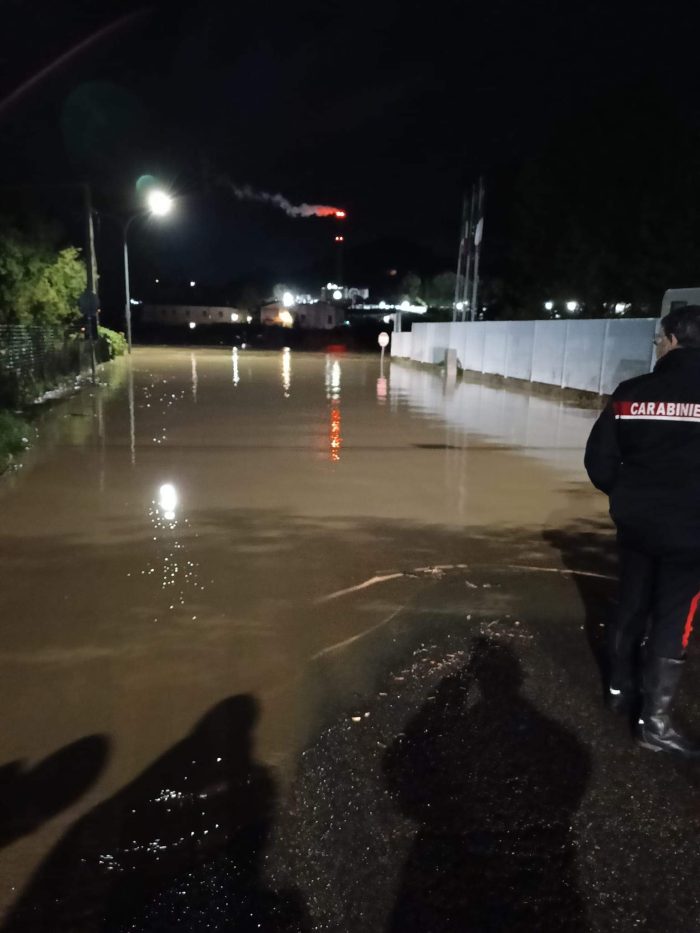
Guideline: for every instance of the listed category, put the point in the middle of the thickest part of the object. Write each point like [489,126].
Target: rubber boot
[654,729]
[621,693]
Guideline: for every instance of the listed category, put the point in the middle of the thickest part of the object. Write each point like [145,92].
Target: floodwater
[172,540]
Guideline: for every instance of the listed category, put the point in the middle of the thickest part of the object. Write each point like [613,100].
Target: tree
[410,286]
[440,290]
[39,283]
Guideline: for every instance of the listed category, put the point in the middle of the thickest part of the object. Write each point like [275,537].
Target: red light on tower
[341,215]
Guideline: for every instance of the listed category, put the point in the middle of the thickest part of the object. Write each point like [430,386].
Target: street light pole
[159,204]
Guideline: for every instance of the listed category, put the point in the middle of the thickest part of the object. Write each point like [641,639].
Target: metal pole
[460,253]
[477,250]
[91,270]
[468,238]
[127,295]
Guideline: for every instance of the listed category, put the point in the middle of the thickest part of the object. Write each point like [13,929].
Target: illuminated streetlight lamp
[158,203]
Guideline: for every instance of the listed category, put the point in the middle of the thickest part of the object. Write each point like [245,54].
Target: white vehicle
[679,298]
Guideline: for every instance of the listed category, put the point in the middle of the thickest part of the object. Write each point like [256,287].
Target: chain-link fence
[35,359]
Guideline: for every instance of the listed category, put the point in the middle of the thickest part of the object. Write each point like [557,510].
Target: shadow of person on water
[181,846]
[493,785]
[29,796]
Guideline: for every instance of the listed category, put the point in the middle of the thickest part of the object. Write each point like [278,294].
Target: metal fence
[35,359]
[592,355]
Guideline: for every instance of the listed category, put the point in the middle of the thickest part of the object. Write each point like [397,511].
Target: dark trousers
[658,599]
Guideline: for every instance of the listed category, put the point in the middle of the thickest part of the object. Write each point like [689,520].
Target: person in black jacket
[644,453]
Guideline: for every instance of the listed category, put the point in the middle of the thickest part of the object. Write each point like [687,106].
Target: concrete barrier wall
[591,355]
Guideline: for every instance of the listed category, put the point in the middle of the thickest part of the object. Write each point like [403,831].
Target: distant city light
[341,214]
[572,305]
[192,284]
[159,203]
[243,346]
[157,281]
[234,316]
[405,305]
[192,325]
[339,239]
[621,307]
[285,318]
[382,304]
[460,305]
[387,318]
[549,305]
[337,294]
[288,299]
[249,319]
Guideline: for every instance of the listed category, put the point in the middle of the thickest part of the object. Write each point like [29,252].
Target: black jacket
[644,452]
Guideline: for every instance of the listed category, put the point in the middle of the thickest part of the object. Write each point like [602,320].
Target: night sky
[385,108]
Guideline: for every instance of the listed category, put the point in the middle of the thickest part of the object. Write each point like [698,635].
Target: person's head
[680,328]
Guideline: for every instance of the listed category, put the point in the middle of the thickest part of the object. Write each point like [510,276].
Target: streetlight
[158,203]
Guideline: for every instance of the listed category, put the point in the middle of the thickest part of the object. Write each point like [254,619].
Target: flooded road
[207,526]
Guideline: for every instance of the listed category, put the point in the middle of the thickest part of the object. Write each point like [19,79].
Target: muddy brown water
[172,539]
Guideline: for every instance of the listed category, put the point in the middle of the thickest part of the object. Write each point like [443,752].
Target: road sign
[383,339]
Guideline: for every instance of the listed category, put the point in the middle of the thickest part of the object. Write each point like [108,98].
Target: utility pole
[470,240]
[478,237]
[92,301]
[463,231]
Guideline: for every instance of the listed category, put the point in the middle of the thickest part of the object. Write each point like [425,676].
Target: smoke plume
[246,193]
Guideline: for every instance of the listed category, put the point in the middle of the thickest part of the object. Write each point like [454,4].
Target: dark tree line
[608,211]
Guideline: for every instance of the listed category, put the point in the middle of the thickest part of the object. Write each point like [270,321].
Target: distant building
[276,313]
[317,316]
[184,315]
[344,293]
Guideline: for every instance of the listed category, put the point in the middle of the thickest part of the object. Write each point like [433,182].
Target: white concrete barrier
[594,355]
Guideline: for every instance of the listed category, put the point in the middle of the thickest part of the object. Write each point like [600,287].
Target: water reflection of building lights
[234,357]
[333,374]
[194,378]
[381,390]
[335,436]
[286,371]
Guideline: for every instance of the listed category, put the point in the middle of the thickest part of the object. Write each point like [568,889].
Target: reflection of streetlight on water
[171,570]
[168,501]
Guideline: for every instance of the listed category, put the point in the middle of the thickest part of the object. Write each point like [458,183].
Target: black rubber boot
[654,729]
[621,694]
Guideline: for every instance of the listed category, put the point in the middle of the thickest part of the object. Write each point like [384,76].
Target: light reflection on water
[177,575]
[333,375]
[551,430]
[286,371]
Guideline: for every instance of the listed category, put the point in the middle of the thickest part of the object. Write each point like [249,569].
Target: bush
[13,437]
[116,341]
